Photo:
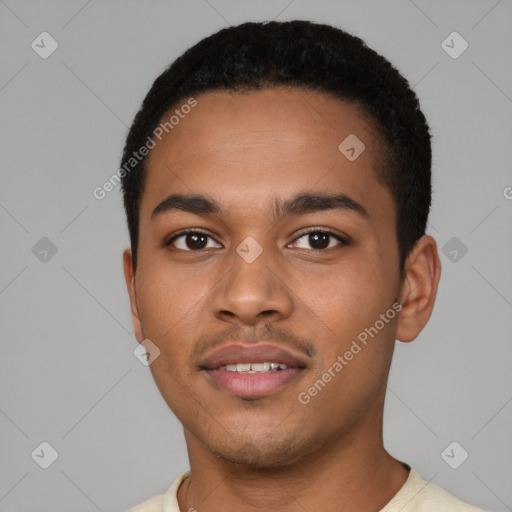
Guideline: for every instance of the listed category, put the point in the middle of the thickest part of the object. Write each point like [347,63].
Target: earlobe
[419,288]
[129,276]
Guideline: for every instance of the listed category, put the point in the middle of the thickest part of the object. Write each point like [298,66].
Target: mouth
[253,367]
[252,371]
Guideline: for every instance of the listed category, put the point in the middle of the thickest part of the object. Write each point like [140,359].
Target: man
[277,187]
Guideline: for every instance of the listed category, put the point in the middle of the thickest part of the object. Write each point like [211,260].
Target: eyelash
[343,241]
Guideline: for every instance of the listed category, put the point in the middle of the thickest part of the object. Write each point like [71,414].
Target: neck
[356,474]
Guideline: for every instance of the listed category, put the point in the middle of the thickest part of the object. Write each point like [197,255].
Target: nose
[253,292]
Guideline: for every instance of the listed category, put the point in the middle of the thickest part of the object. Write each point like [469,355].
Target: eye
[318,240]
[191,240]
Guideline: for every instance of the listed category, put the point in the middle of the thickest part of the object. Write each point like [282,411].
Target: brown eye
[192,241]
[195,241]
[318,240]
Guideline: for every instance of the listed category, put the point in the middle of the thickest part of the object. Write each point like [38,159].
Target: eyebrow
[195,203]
[310,203]
[300,204]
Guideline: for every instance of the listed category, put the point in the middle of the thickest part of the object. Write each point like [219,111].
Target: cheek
[347,306]
[172,308]
[168,299]
[346,297]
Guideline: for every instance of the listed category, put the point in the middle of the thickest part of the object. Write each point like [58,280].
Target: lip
[240,352]
[252,385]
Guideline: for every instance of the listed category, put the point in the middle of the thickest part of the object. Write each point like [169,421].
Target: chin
[260,454]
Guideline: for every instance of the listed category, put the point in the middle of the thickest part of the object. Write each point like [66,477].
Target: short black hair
[309,56]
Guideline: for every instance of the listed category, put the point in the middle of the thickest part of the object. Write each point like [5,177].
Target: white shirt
[416,495]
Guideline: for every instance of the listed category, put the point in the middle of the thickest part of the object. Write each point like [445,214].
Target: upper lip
[254,353]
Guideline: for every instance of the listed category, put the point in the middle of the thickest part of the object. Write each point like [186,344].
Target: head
[300,160]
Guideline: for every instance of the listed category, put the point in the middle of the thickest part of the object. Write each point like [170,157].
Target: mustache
[268,333]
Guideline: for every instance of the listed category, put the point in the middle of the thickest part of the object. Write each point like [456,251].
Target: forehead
[245,148]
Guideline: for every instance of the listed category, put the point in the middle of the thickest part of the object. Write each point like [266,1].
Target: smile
[252,370]
[253,367]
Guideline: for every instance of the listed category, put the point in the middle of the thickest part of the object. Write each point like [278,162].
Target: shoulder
[436,498]
[418,495]
[167,502]
[153,504]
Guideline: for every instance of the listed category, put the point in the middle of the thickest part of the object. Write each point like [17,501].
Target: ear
[129,276]
[419,288]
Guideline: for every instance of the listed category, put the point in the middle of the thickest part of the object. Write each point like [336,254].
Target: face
[291,259]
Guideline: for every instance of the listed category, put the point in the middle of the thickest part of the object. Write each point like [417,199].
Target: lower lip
[253,385]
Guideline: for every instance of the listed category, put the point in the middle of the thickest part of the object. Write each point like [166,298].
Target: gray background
[67,369]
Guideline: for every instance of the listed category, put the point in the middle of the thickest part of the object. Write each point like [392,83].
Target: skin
[275,453]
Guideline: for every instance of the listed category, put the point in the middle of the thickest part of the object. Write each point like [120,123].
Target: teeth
[260,367]
[253,367]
